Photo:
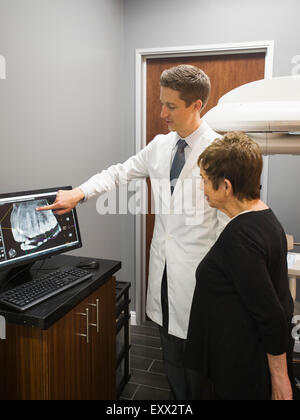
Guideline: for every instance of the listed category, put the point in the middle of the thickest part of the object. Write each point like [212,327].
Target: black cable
[10,279]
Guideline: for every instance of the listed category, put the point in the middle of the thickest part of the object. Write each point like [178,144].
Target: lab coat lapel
[167,154]
[164,158]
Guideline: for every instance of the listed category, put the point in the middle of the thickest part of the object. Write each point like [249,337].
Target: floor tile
[149,352]
[154,380]
[157,367]
[129,391]
[148,380]
[143,330]
[143,340]
[142,363]
[148,393]
[149,323]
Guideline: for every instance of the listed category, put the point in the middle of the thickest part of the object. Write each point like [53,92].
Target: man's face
[180,118]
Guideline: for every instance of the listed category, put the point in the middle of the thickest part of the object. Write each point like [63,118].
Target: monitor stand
[13,277]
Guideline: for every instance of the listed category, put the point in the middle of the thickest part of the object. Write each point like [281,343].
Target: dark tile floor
[148,381]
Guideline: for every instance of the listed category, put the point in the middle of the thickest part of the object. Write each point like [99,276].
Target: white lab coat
[185,226]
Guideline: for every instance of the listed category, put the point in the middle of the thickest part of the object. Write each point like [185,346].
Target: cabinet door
[81,355]
[103,342]
[70,357]
[23,364]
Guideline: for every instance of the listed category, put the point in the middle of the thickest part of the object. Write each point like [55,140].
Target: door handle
[86,314]
[97,306]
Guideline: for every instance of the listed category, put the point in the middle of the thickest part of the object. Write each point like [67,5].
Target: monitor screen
[27,235]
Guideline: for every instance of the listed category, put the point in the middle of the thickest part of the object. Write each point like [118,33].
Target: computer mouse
[88,264]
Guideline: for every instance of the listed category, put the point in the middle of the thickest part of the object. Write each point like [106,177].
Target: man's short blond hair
[190,81]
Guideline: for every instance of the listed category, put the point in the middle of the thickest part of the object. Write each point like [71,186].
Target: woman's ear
[227,185]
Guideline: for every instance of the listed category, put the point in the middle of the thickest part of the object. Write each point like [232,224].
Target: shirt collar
[192,138]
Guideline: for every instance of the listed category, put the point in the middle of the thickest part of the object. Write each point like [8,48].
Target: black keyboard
[42,288]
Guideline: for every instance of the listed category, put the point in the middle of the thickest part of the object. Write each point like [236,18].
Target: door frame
[140,135]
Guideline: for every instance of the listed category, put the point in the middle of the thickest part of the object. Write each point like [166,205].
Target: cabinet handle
[86,314]
[96,305]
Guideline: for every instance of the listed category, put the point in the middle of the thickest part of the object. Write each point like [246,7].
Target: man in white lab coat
[185,227]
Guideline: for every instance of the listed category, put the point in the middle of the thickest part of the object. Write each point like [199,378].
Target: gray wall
[60,119]
[170,23]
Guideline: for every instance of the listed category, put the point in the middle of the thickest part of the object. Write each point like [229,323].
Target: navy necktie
[178,163]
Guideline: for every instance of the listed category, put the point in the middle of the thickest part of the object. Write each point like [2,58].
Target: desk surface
[47,313]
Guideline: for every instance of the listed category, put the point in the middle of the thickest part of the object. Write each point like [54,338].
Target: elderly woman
[239,339]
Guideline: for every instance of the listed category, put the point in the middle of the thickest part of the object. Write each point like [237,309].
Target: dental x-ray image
[31,228]
[25,231]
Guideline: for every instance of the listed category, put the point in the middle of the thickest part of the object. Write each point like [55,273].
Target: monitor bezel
[31,259]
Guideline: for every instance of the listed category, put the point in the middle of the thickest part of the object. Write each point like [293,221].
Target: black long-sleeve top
[242,307]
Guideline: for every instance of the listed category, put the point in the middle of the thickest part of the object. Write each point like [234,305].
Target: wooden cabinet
[73,359]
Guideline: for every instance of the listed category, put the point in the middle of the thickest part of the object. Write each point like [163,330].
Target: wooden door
[226,72]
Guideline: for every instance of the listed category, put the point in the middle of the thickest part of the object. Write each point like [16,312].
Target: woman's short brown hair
[190,81]
[237,158]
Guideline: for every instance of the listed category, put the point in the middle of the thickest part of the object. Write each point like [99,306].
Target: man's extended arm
[134,168]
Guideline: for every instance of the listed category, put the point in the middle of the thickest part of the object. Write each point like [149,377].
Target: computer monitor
[27,235]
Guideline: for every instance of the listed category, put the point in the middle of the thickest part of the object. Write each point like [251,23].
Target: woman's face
[215,198]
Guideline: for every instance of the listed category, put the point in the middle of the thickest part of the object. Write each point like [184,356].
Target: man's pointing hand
[65,201]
